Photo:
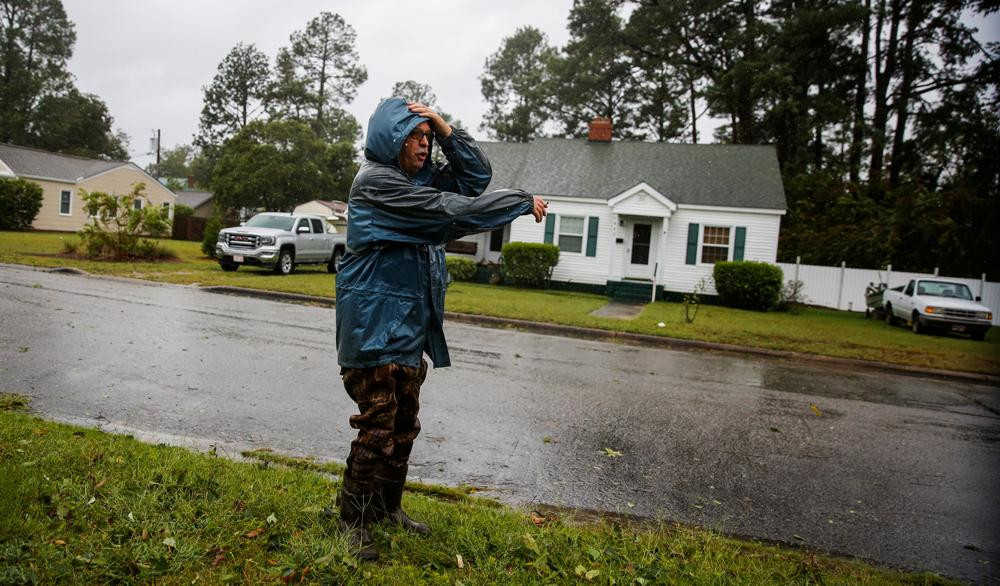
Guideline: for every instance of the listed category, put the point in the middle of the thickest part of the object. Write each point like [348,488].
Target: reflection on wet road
[897,469]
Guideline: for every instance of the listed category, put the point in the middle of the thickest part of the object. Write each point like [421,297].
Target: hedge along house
[630,216]
[63,176]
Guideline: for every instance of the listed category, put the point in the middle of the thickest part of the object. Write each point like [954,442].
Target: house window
[496,240]
[715,244]
[137,204]
[570,234]
[166,209]
[65,202]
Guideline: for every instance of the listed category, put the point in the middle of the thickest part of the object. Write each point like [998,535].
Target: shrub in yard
[117,229]
[182,212]
[791,297]
[748,284]
[461,269]
[20,202]
[529,264]
[212,227]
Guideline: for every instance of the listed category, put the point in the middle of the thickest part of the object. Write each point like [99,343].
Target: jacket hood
[388,127]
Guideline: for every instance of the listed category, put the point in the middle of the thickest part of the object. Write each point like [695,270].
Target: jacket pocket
[371,321]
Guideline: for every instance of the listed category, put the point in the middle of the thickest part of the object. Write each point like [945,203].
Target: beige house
[62,177]
[334,211]
[322,207]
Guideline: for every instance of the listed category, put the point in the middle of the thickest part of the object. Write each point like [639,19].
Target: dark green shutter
[692,255]
[592,237]
[550,227]
[741,237]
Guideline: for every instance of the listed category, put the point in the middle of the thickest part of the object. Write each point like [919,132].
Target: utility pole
[154,145]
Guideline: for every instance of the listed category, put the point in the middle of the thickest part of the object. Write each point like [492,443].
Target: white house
[628,215]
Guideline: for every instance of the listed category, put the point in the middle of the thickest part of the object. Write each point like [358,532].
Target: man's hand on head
[440,127]
[540,208]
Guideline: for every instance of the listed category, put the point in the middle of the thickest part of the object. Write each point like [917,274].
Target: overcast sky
[149,59]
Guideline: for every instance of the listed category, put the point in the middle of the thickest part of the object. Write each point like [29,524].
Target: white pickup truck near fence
[844,288]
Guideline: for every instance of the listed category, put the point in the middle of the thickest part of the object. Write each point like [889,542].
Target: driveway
[901,470]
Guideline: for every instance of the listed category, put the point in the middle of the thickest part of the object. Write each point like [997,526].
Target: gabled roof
[39,164]
[335,206]
[193,199]
[695,174]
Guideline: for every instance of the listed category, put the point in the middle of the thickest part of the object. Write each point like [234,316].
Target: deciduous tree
[279,164]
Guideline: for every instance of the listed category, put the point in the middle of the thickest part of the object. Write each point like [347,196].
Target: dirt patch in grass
[13,402]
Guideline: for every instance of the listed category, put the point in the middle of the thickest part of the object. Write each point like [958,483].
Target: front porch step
[630,290]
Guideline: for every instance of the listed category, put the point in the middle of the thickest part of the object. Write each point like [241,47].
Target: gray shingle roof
[193,199]
[24,161]
[710,174]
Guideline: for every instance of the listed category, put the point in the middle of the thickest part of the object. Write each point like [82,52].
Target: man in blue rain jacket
[402,209]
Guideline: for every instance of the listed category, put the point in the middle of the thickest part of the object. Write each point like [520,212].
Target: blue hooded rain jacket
[391,283]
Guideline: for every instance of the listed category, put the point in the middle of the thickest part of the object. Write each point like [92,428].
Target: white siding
[313,207]
[575,267]
[641,204]
[761,244]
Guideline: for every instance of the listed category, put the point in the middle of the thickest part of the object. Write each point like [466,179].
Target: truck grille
[241,240]
[964,313]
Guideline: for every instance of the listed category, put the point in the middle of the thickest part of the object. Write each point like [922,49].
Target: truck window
[909,289]
[317,225]
[944,289]
[302,222]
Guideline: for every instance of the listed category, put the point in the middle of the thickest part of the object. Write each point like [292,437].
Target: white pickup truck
[937,304]
[281,241]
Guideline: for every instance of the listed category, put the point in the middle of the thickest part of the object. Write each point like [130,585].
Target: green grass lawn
[84,507]
[813,330]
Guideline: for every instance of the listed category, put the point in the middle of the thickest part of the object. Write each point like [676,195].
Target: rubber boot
[389,498]
[357,511]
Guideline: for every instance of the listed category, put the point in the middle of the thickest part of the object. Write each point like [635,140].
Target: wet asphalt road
[901,470]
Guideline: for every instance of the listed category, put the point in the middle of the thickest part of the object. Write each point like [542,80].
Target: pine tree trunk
[902,104]
[883,79]
[860,98]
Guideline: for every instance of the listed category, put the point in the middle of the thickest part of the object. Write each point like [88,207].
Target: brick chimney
[600,130]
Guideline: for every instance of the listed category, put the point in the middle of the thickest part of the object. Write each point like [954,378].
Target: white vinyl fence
[844,288]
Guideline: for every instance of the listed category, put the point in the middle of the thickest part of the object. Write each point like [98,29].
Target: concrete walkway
[619,310]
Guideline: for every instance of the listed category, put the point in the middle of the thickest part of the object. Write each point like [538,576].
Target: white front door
[640,247]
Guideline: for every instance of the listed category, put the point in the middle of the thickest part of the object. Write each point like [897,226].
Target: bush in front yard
[529,264]
[20,202]
[461,269]
[748,284]
[212,227]
[116,227]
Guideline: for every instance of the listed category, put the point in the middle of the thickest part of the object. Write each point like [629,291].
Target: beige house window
[65,202]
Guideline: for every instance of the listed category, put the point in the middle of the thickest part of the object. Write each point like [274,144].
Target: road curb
[638,339]
[274,295]
[630,338]
[679,343]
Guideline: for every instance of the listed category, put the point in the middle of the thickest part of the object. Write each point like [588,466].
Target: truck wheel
[888,315]
[334,263]
[915,324]
[286,262]
[228,266]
